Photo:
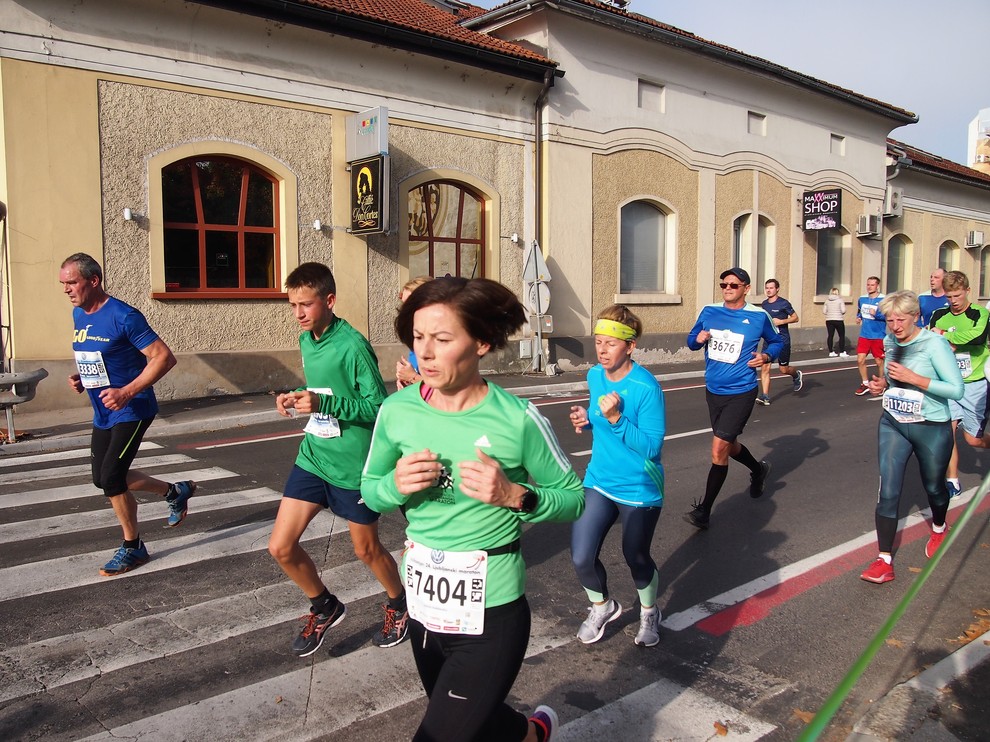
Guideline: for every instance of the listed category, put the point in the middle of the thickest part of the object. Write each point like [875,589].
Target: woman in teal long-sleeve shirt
[921,375]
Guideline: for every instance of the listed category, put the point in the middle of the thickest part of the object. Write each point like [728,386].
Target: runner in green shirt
[964,325]
[343,392]
[457,454]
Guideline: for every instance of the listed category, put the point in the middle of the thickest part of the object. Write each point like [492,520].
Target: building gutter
[365,29]
[690,43]
[541,99]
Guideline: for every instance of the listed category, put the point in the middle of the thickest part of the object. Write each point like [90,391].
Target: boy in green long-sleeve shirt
[343,392]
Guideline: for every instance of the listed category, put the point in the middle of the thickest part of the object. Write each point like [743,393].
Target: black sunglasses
[730,285]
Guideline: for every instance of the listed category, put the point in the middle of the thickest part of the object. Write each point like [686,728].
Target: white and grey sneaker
[649,627]
[598,615]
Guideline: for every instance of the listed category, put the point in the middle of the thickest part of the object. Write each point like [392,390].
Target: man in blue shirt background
[782,313]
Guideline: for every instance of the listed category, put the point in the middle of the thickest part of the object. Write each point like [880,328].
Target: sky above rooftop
[919,55]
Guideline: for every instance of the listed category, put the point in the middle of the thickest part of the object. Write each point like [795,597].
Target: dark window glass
[221,226]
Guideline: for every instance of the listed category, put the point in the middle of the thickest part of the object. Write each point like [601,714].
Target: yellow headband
[614,329]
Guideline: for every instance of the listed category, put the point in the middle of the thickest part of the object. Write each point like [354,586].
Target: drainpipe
[540,102]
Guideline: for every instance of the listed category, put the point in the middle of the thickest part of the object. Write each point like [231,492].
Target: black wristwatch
[528,502]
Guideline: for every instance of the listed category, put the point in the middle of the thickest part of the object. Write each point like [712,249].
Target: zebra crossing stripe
[59,456]
[665,710]
[316,700]
[54,662]
[78,570]
[85,470]
[59,525]
[76,491]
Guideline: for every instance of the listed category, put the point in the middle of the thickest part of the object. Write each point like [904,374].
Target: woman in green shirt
[456,454]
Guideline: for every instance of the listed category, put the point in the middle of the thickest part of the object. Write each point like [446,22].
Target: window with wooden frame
[446,230]
[220,229]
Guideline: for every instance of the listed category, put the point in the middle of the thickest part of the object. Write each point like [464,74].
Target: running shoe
[697,517]
[593,627]
[798,381]
[757,482]
[934,542]
[954,489]
[311,637]
[649,627]
[878,572]
[124,560]
[843,354]
[833,354]
[763,399]
[394,630]
[862,389]
[178,501]
[545,718]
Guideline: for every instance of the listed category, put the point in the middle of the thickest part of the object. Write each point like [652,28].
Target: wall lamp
[128,214]
[318,225]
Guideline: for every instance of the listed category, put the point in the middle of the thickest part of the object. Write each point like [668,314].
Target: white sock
[955,482]
[939,529]
[887,558]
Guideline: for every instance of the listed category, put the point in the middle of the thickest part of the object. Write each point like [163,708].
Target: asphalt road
[764,612]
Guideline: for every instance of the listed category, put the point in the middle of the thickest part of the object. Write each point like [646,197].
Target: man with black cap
[730,332]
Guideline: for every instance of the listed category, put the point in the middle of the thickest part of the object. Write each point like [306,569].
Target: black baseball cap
[738,273]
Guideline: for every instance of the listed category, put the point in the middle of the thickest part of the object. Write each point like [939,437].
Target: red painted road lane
[758,607]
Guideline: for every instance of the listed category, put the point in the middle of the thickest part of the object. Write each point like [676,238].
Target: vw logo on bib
[436,556]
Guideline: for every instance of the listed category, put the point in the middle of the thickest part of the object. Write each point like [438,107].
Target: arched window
[646,250]
[898,264]
[985,273]
[220,227]
[754,251]
[446,230]
[834,262]
[948,256]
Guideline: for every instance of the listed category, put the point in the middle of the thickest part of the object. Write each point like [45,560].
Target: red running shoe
[878,572]
[934,542]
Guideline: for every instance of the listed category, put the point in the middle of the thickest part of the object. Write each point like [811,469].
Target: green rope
[817,725]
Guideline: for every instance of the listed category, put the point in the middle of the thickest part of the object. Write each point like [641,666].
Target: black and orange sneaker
[394,630]
[311,637]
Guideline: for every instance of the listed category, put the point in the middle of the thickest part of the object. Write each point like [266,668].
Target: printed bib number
[868,311]
[904,405]
[92,370]
[445,590]
[322,426]
[725,346]
[965,364]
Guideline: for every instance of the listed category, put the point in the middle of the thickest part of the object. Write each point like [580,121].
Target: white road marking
[59,525]
[77,491]
[252,440]
[76,453]
[38,577]
[85,470]
[665,711]
[317,699]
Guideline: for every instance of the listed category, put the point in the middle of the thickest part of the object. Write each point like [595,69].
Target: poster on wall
[369,195]
[822,209]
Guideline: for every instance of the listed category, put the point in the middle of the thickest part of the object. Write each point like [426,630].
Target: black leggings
[467,678]
[834,326]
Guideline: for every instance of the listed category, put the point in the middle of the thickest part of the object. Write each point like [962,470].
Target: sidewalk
[920,710]
[58,430]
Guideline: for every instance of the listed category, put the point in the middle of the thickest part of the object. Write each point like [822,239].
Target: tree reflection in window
[446,231]
[220,226]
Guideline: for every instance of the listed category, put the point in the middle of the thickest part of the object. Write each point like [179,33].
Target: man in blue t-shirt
[873,328]
[730,332]
[782,313]
[118,358]
[937,299]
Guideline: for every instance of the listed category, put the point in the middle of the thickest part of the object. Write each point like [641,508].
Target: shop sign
[369,195]
[822,209]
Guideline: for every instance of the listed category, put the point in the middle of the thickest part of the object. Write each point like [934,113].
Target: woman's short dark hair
[489,311]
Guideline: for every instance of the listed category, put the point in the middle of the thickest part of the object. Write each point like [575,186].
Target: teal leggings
[931,442]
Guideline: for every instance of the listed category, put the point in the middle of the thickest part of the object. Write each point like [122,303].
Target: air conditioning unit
[892,201]
[869,225]
[974,239]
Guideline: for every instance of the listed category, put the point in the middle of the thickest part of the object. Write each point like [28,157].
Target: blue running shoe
[178,501]
[124,560]
[798,381]
[954,489]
